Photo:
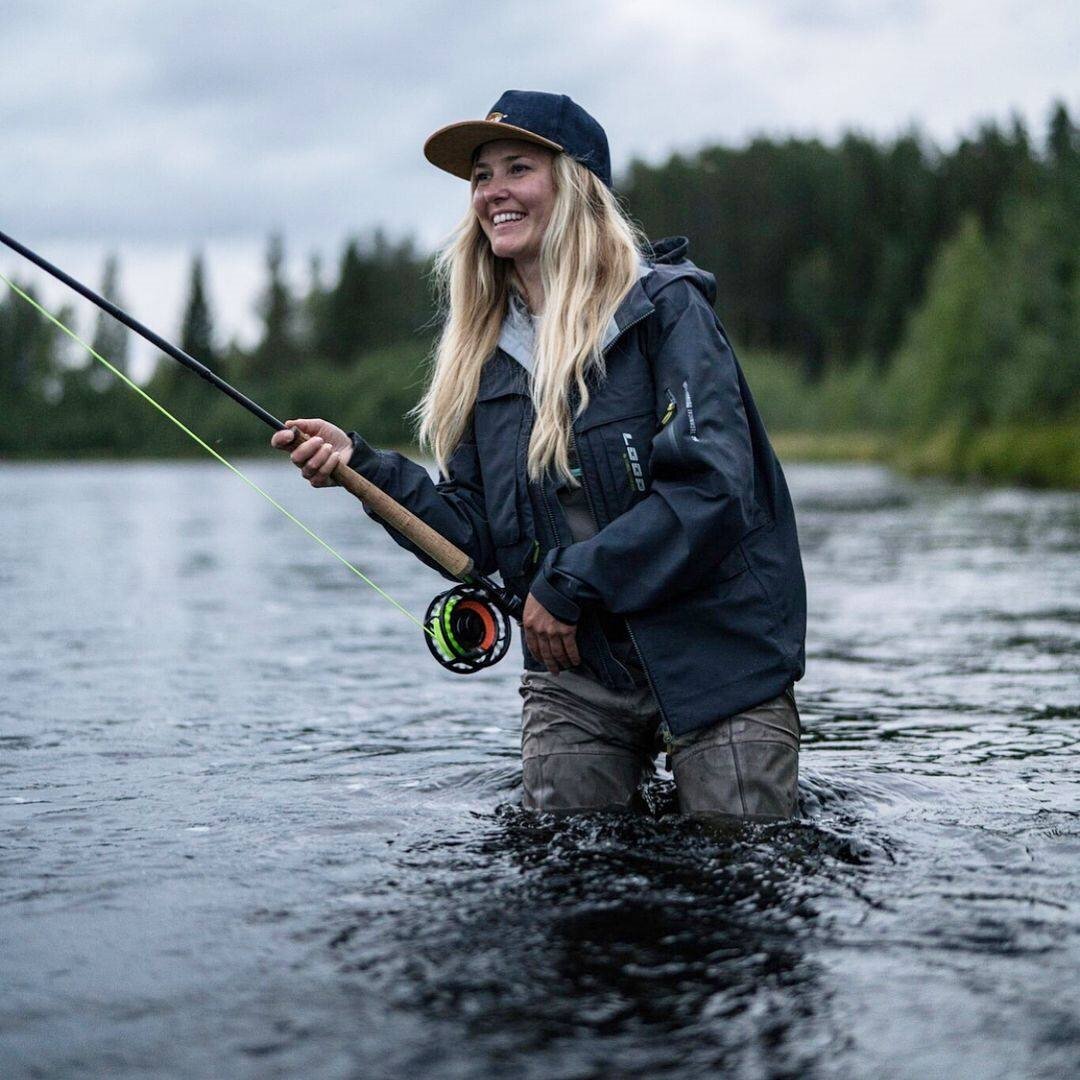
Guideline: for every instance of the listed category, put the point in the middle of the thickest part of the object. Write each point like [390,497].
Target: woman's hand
[316,458]
[549,640]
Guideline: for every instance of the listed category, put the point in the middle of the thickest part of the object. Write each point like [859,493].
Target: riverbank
[1036,456]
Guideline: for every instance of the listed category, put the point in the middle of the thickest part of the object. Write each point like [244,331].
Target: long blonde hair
[588,262]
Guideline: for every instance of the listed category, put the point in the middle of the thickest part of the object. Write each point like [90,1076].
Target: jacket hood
[667,258]
[669,251]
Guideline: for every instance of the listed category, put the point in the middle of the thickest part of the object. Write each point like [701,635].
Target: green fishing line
[209,449]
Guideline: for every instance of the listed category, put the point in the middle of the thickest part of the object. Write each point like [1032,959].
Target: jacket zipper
[556,541]
[645,668]
[550,515]
[592,511]
[596,525]
[629,628]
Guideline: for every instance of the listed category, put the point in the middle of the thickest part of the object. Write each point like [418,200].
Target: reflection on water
[249,829]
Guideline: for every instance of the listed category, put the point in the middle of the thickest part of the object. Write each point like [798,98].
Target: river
[249,829]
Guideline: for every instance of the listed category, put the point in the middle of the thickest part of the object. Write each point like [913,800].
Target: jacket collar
[501,375]
[516,335]
[507,373]
[635,306]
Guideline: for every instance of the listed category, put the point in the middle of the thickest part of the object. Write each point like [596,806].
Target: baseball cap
[551,120]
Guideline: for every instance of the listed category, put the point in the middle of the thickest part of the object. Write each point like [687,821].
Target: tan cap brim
[452,147]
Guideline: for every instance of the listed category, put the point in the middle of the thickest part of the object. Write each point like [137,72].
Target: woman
[598,446]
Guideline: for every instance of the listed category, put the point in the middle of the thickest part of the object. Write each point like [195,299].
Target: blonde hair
[588,262]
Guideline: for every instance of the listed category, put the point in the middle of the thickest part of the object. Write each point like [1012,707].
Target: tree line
[885,286]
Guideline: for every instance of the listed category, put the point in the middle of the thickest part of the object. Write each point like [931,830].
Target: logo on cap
[495,116]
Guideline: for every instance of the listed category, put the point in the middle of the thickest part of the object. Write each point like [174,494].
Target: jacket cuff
[365,458]
[555,592]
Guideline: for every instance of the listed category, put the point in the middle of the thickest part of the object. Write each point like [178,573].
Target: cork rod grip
[451,558]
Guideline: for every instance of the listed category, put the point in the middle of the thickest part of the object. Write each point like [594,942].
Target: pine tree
[1063,142]
[197,330]
[279,349]
[349,308]
[110,337]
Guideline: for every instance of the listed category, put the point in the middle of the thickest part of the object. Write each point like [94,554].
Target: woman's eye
[518,168]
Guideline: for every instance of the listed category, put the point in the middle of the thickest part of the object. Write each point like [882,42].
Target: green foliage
[182,392]
[381,296]
[846,400]
[780,392]
[996,340]
[942,370]
[373,396]
[1063,142]
[1039,455]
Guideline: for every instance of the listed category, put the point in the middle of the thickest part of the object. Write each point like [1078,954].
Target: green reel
[467,629]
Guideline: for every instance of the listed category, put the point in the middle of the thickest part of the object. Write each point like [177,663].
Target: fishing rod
[466,628]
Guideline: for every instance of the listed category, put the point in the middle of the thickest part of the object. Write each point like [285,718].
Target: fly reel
[468,628]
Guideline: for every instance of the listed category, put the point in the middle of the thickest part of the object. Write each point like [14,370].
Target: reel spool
[467,631]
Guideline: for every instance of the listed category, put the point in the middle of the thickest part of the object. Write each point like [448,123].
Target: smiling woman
[599,447]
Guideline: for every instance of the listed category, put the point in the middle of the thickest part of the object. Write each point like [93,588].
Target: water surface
[249,829]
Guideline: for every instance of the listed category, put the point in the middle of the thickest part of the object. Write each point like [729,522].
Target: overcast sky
[155,129]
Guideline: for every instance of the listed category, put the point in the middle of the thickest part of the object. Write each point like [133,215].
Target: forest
[888,300]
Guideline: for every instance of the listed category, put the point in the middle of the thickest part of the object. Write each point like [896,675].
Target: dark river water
[249,829]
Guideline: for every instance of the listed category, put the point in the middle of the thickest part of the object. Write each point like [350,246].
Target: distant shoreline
[1034,456]
[1044,456]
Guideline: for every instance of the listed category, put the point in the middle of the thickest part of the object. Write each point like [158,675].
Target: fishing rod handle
[450,557]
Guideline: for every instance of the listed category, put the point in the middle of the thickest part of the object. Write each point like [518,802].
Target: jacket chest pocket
[502,423]
[617,428]
[619,450]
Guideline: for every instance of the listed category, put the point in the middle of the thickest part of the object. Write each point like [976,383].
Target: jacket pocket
[499,422]
[620,450]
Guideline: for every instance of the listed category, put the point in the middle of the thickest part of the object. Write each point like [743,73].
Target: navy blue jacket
[696,544]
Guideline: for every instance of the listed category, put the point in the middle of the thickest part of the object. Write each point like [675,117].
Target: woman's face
[513,195]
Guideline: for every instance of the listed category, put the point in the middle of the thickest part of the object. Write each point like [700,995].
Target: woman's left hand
[549,640]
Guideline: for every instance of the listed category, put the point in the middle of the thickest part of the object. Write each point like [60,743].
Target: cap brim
[452,147]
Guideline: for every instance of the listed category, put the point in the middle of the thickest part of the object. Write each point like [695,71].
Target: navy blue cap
[551,120]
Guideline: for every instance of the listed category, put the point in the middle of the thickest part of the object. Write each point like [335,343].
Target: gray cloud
[135,125]
[137,120]
[859,16]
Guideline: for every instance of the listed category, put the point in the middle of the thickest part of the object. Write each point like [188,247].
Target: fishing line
[210,450]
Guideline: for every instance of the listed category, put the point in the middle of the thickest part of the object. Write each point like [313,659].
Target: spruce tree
[279,349]
[110,337]
[1063,141]
[197,330]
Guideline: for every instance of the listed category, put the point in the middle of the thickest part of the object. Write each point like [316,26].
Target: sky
[156,130]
